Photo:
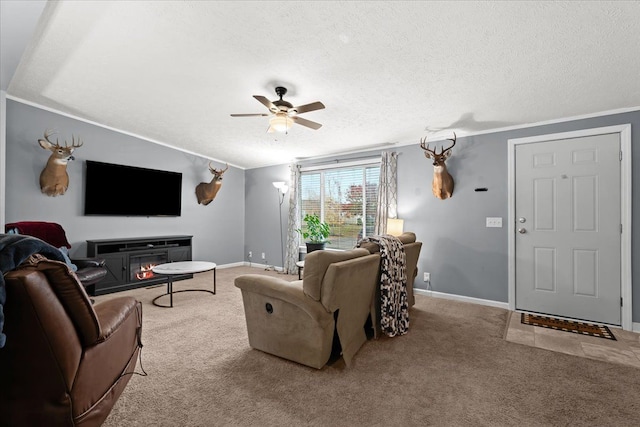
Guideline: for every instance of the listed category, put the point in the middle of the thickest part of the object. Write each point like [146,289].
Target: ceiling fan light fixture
[283,114]
[281,122]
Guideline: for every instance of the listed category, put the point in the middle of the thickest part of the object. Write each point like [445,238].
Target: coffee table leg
[170,290]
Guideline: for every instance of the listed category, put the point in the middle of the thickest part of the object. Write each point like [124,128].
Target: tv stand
[129,260]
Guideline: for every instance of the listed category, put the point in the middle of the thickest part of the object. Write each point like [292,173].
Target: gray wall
[462,255]
[218,228]
[262,227]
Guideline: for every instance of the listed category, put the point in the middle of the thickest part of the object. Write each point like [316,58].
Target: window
[344,197]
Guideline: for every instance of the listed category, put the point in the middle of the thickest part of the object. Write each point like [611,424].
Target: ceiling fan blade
[307,123]
[264,101]
[249,115]
[309,107]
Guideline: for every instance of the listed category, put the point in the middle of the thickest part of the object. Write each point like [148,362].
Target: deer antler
[217,171]
[449,148]
[426,147]
[73,142]
[48,133]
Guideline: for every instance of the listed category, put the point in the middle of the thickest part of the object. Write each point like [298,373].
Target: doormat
[582,328]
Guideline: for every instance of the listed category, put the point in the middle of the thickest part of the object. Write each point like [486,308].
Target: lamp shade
[395,226]
[281,122]
[281,186]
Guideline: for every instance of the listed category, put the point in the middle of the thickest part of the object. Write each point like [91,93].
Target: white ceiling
[388,72]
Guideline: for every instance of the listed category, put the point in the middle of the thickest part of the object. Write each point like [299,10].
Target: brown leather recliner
[65,361]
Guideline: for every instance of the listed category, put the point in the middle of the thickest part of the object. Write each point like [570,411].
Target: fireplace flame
[145,272]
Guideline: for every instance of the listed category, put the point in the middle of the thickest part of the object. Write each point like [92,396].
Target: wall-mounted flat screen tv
[121,190]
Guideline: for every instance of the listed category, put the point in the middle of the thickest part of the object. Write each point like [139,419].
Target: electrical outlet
[264,256]
[250,254]
[427,277]
[494,222]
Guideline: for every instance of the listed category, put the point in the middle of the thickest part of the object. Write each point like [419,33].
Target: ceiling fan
[284,115]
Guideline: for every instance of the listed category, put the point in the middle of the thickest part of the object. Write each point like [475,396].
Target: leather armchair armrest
[106,366]
[290,292]
[112,313]
[88,262]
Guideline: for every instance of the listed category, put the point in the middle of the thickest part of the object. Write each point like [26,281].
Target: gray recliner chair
[299,320]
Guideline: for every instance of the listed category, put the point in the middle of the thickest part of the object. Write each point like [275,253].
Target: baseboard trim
[454,297]
[490,303]
[256,265]
[433,294]
[231,265]
[249,264]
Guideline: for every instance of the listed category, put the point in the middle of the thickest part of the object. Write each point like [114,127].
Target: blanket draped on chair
[14,249]
[394,307]
[50,232]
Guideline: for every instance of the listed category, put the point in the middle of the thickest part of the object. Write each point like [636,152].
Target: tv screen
[112,189]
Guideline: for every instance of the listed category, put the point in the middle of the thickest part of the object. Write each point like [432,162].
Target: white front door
[568,228]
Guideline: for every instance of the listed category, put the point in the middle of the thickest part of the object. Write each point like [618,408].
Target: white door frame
[625,209]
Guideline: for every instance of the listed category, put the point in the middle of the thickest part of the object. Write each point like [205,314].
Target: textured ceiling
[388,72]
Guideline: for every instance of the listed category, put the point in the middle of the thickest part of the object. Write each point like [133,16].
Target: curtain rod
[335,162]
[356,161]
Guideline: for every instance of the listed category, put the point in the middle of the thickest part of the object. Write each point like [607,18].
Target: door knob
[522,219]
[522,230]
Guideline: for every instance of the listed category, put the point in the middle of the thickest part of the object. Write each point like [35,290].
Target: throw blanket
[14,249]
[50,232]
[394,307]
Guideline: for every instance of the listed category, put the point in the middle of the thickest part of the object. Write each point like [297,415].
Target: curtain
[387,192]
[293,240]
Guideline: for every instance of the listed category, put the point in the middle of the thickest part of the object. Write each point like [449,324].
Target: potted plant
[315,231]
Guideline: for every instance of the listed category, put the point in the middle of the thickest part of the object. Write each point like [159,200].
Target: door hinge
[620,155]
[620,301]
[620,228]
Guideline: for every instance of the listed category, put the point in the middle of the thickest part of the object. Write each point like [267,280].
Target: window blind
[345,198]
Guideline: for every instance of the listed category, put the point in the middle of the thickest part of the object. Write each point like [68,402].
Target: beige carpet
[452,369]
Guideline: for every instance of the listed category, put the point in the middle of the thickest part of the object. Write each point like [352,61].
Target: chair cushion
[316,264]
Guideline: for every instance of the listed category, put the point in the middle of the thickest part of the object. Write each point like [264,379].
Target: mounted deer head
[206,192]
[442,182]
[54,179]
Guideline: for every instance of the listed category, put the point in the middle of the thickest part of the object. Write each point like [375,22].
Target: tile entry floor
[625,351]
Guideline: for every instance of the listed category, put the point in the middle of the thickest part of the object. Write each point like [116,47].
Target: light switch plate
[494,222]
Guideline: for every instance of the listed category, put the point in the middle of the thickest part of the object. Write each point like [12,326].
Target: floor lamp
[281,188]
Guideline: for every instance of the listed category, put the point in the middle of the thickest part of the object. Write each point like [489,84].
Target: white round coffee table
[171,269]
